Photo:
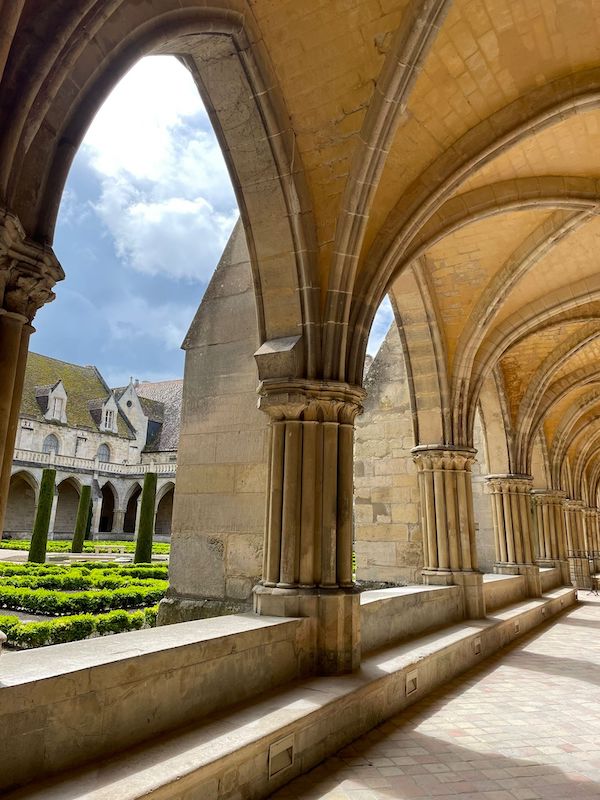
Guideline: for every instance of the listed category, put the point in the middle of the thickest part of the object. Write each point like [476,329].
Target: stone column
[447,522]
[307,562]
[137,517]
[596,548]
[53,514]
[28,271]
[550,530]
[96,514]
[118,521]
[512,516]
[578,559]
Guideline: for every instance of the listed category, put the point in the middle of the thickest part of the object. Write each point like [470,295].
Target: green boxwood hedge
[158,548]
[57,603]
[74,628]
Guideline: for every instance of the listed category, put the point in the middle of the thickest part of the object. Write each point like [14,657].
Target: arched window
[50,444]
[104,453]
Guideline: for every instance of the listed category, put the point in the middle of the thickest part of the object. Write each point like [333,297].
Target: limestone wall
[386,495]
[218,516]
[386,499]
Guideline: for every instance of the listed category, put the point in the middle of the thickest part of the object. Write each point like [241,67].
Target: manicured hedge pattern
[46,601]
[73,628]
[158,548]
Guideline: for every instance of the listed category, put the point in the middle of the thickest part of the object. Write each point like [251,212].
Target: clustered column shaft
[511,514]
[309,497]
[574,527]
[307,562]
[512,517]
[447,517]
[550,525]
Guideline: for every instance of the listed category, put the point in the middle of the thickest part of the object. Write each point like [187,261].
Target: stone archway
[109,500]
[164,511]
[66,507]
[20,511]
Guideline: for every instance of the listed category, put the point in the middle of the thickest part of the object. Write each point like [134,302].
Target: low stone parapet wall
[550,578]
[388,616]
[252,750]
[503,590]
[66,705]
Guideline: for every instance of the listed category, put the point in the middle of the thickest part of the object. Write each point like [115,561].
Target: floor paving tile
[524,725]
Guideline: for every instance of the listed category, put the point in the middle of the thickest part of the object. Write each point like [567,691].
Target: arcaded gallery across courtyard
[410,541]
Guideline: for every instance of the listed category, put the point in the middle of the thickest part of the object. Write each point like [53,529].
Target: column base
[472,590]
[337,615]
[437,577]
[531,572]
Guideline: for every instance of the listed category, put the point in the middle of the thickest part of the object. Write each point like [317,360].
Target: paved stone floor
[523,726]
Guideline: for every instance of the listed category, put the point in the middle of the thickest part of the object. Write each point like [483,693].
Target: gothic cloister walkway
[524,725]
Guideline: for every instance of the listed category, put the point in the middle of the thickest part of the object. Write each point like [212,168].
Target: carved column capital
[28,270]
[513,484]
[428,458]
[310,401]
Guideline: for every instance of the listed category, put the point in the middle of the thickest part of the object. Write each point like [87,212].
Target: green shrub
[8,622]
[74,628]
[143,549]
[39,538]
[158,548]
[44,601]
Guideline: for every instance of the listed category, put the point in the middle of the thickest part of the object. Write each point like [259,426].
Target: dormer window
[58,405]
[53,400]
[109,419]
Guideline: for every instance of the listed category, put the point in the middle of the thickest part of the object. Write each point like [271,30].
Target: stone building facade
[72,421]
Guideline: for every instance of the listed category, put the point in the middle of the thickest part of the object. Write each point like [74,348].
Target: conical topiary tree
[143,546]
[83,513]
[39,537]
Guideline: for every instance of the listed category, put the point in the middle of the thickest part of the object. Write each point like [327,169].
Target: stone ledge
[227,756]
[69,704]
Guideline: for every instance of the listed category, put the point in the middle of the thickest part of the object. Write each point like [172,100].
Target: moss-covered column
[83,516]
[143,547]
[39,538]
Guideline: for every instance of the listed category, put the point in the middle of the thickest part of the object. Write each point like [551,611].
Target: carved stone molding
[28,270]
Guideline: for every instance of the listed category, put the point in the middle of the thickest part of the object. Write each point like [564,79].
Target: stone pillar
[28,271]
[307,561]
[96,514]
[53,514]
[578,559]
[596,548]
[447,521]
[118,521]
[550,530]
[137,517]
[511,511]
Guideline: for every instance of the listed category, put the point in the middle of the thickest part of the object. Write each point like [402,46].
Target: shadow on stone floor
[468,774]
[441,769]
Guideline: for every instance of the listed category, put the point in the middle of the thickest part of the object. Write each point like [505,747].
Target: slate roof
[161,402]
[85,388]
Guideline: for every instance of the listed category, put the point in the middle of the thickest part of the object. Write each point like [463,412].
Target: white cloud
[381,324]
[166,198]
[134,317]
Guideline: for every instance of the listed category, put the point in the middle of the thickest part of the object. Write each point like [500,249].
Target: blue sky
[146,212]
